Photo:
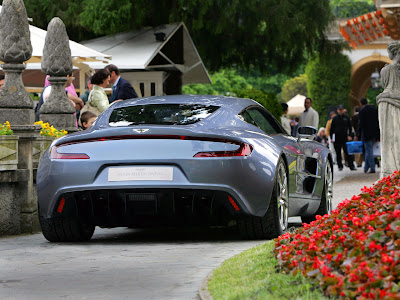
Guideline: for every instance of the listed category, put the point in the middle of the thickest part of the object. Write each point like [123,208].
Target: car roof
[233,103]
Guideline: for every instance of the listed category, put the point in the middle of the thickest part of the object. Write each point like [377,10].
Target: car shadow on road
[169,235]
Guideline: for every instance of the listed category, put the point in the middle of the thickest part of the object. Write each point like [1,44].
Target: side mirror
[306,132]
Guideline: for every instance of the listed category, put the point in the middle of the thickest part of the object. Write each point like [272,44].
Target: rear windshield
[161,114]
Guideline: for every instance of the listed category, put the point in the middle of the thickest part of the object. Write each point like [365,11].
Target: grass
[254,274]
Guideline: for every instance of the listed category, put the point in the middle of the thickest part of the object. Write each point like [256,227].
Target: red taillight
[235,206]
[243,150]
[61,205]
[55,155]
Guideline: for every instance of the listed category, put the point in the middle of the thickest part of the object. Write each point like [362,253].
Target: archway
[361,75]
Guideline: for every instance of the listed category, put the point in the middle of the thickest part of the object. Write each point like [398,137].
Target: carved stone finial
[56,59]
[16,105]
[57,63]
[15,46]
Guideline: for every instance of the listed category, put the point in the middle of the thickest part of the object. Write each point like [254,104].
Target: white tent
[296,105]
[155,60]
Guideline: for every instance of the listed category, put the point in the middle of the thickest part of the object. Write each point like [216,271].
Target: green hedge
[328,83]
[268,100]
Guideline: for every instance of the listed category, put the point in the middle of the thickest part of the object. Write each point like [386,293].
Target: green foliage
[253,275]
[224,82]
[106,17]
[328,83]
[246,34]
[354,8]
[371,95]
[294,86]
[268,100]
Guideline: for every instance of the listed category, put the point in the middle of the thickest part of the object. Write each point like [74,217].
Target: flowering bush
[48,130]
[5,129]
[354,253]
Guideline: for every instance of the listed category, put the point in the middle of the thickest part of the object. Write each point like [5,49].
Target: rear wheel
[65,230]
[325,206]
[275,221]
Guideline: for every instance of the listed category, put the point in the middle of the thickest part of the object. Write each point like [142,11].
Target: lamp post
[376,80]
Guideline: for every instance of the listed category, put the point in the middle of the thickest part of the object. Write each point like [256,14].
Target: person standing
[369,132]
[341,132]
[332,114]
[122,89]
[98,97]
[309,117]
[355,120]
[284,120]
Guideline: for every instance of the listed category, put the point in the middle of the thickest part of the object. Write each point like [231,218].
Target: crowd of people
[94,100]
[341,129]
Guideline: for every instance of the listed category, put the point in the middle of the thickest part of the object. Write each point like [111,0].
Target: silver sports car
[183,160]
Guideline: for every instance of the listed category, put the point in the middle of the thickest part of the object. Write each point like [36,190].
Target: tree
[268,100]
[248,34]
[328,83]
[227,81]
[353,8]
[294,86]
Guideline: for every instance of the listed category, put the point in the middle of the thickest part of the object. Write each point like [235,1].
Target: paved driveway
[129,264]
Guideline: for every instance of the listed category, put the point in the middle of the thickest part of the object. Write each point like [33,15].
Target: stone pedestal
[16,104]
[27,193]
[58,110]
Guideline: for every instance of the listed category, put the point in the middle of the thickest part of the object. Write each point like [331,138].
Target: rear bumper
[249,180]
[147,207]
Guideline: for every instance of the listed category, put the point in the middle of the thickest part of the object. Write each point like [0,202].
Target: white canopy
[296,105]
[173,49]
[79,52]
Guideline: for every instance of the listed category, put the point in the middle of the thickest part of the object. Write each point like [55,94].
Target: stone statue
[389,112]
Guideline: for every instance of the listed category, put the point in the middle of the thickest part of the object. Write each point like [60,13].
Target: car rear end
[143,171]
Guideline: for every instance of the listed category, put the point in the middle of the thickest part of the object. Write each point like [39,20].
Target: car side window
[247,118]
[264,121]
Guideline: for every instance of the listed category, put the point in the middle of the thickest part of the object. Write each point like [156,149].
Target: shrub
[294,86]
[354,253]
[328,83]
[223,82]
[268,100]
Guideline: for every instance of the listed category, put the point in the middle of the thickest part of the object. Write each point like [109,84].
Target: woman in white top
[98,97]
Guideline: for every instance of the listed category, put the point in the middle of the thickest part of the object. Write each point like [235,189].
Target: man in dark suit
[122,89]
[341,132]
[369,132]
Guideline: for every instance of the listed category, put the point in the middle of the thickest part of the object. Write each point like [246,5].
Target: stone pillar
[27,192]
[16,106]
[57,63]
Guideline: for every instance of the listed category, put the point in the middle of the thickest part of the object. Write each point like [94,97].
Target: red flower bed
[354,253]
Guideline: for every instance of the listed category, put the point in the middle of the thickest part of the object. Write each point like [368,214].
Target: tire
[325,206]
[65,230]
[275,221]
